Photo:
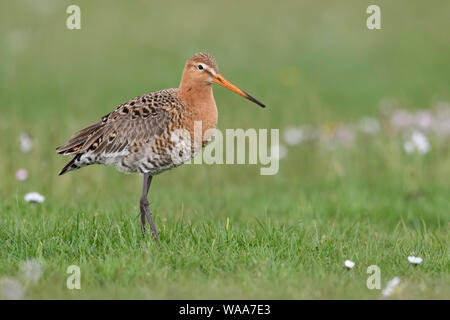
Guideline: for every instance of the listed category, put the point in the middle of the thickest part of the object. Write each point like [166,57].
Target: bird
[138,136]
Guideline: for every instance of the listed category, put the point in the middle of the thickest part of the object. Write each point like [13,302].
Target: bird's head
[201,70]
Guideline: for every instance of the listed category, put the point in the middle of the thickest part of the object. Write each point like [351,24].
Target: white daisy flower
[421,142]
[25,143]
[414,260]
[34,197]
[417,143]
[390,287]
[349,264]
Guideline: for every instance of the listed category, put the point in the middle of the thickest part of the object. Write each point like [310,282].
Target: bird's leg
[145,187]
[143,221]
[145,209]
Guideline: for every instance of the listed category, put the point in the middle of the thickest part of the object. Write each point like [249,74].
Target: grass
[288,234]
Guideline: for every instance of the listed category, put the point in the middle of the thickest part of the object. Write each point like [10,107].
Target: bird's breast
[202,120]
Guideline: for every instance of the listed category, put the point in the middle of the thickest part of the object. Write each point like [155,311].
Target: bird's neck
[196,94]
[201,107]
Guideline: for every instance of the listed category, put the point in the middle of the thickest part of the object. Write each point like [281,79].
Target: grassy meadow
[342,194]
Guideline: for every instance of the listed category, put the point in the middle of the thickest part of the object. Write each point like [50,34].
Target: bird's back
[136,137]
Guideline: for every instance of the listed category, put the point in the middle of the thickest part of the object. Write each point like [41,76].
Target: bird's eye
[200,67]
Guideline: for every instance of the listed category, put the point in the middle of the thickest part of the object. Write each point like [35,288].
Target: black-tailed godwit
[137,137]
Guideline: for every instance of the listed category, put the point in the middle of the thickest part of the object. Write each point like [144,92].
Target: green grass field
[289,234]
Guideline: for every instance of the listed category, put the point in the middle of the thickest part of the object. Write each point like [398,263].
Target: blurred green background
[310,62]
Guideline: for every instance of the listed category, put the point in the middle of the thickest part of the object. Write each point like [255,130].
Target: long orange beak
[219,79]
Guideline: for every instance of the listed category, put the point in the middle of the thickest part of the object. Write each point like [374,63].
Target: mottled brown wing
[73,146]
[135,122]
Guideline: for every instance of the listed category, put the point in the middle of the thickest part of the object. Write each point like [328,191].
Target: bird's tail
[79,145]
[72,165]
